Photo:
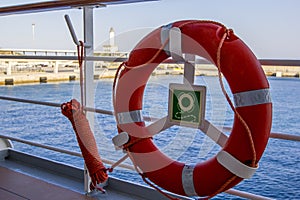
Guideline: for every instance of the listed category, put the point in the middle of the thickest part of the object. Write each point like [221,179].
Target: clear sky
[271,28]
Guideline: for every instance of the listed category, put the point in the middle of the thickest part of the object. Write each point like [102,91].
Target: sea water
[278,175]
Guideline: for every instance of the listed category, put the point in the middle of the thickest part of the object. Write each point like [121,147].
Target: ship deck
[17,186]
[23,176]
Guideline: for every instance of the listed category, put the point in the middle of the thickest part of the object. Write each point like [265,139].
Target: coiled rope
[85,137]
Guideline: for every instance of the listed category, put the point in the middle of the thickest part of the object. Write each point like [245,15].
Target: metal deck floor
[23,176]
[17,186]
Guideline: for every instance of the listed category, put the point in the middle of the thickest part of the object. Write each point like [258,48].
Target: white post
[111,37]
[55,70]
[33,31]
[278,74]
[89,93]
[8,69]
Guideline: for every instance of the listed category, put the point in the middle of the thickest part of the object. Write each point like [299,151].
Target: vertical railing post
[89,95]
[88,73]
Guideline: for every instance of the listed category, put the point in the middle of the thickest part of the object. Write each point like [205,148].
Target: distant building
[111,48]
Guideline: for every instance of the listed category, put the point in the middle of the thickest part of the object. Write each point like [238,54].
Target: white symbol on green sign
[186,106]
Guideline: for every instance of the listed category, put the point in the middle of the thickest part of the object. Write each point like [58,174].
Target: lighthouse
[111,47]
[112,37]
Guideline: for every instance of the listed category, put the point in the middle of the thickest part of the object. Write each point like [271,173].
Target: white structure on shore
[112,37]
[111,47]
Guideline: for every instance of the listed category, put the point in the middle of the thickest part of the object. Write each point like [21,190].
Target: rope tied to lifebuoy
[225,36]
[74,111]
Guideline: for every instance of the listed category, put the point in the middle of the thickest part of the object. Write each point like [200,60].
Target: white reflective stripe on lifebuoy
[251,98]
[164,36]
[175,44]
[130,117]
[173,47]
[235,166]
[188,180]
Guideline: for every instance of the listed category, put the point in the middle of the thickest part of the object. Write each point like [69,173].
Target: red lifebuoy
[247,82]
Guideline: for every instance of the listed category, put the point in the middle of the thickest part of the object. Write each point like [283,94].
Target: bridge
[17,60]
[64,64]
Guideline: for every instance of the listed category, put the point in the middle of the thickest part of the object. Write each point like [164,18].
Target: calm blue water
[279,173]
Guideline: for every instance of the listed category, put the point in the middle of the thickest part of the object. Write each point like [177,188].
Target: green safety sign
[186,105]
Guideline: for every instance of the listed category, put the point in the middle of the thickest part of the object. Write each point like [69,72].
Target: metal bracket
[72,31]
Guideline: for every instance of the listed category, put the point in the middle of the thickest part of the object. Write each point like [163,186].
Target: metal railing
[50,6]
[70,58]
[108,112]
[235,192]
[125,166]
[106,161]
[282,136]
[273,62]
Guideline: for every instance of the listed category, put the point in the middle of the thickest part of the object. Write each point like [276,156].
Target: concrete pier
[24,78]
[211,70]
[278,71]
[282,71]
[201,70]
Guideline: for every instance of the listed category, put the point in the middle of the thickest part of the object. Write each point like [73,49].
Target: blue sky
[271,28]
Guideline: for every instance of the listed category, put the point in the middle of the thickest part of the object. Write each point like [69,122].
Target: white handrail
[60,150]
[88,58]
[246,195]
[41,145]
[273,62]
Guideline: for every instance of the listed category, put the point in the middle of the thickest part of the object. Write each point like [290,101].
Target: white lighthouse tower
[111,37]
[111,47]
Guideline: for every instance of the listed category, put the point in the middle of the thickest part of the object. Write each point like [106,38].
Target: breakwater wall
[282,71]
[211,70]
[24,78]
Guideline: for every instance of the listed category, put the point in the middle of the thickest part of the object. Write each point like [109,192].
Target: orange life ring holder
[248,84]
